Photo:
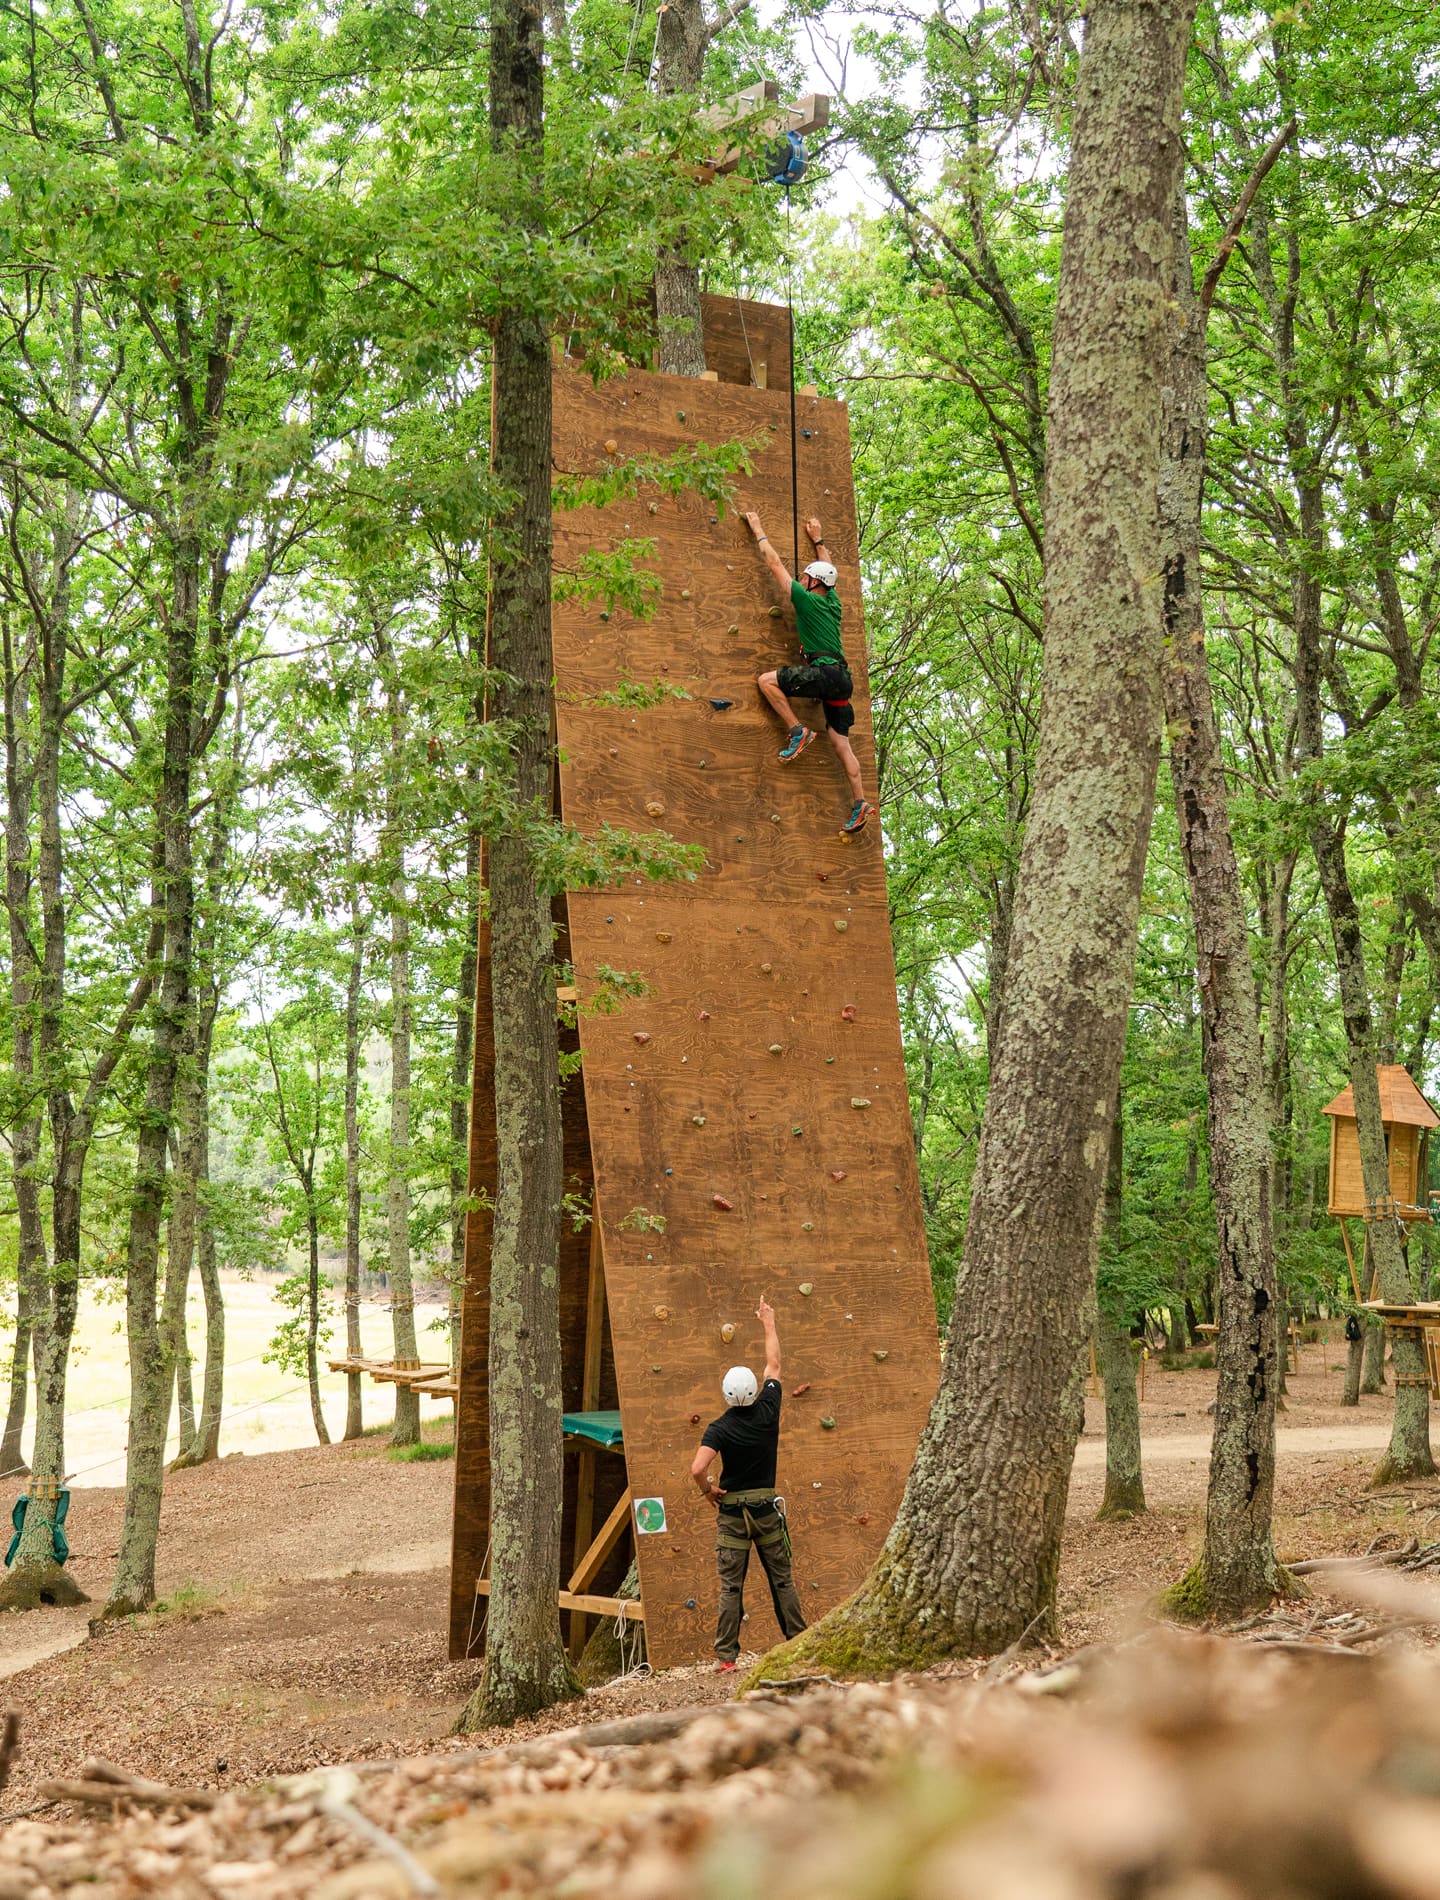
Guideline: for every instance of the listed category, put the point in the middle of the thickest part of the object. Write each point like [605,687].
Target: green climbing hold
[807,1287]
[827,1424]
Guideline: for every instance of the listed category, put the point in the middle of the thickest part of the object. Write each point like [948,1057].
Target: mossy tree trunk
[971,1563]
[202,1445]
[1124,1479]
[461,1054]
[1237,1563]
[681,39]
[1354,1359]
[1372,1378]
[526,1667]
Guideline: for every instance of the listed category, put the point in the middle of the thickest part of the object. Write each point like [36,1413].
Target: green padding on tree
[603,1427]
[59,1541]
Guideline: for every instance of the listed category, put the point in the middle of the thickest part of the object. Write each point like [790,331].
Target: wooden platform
[744,1125]
[435,1380]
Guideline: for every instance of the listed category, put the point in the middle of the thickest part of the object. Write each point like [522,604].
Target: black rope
[790,308]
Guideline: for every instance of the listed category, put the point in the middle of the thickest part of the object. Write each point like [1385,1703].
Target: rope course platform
[433,1380]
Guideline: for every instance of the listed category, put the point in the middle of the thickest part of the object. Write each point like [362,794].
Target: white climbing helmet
[739,1386]
[822,571]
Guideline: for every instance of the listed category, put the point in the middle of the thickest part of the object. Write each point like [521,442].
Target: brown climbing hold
[698,1120]
[807,1287]
[796,1390]
[824,876]
[750,1115]
[727,1332]
[704,1015]
[721,1202]
[827,1424]
[837,1174]
[655,808]
[859,1101]
[662,1312]
[611,445]
[694,1418]
[614,751]
[864,1518]
[847,1015]
[662,936]
[882,1357]
[642,1036]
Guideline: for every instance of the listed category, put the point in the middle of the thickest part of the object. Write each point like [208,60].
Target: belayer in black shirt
[746,1439]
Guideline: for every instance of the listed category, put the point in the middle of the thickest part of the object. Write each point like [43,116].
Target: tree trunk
[1124,1478]
[1237,1570]
[173,896]
[12,1453]
[526,1667]
[1354,1358]
[1372,1378]
[681,37]
[202,1444]
[180,1238]
[460,1090]
[402,1287]
[312,1315]
[971,1563]
[354,1404]
[1276,922]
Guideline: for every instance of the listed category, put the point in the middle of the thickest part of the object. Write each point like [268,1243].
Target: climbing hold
[847,1015]
[684,593]
[864,1518]
[609,920]
[654,507]
[698,1120]
[702,765]
[774,613]
[796,1390]
[750,1115]
[655,808]
[611,445]
[837,1174]
[722,705]
[824,876]
[767,968]
[714,521]
[840,924]
[603,614]
[680,415]
[776,1049]
[829,1058]
[881,1356]
[797,1130]
[654,1368]
[816,1485]
[669,1170]
[662,1312]
[614,751]
[721,1202]
[807,1287]
[859,1101]
[739,837]
[827,1424]
[694,1418]
[734,627]
[704,1016]
[662,936]
[727,1332]
[806,434]
[807,1226]
[774,817]
[642,1036]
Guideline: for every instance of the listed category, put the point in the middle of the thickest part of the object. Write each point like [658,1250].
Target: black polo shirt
[747,1438]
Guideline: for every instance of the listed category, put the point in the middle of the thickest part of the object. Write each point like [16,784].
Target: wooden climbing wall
[748,1119]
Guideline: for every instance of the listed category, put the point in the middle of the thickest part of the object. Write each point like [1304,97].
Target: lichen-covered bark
[1238,1560]
[354,1404]
[1124,1480]
[526,1667]
[1354,1355]
[971,1563]
[406,1429]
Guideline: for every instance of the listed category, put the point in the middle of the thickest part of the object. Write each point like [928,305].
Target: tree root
[1188,1599]
[36,1583]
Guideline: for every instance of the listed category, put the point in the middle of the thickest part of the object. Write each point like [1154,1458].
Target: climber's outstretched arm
[772,560]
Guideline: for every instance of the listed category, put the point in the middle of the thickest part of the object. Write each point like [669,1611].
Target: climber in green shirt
[825,674]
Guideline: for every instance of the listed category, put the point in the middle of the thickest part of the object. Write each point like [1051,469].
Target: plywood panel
[782,943]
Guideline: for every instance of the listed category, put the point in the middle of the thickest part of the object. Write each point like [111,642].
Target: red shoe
[726,1668]
[800,737]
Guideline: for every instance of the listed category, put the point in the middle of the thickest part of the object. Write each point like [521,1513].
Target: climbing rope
[794,448]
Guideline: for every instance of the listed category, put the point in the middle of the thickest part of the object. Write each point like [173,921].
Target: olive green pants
[761,1526]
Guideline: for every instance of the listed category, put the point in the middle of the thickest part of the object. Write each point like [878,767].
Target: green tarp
[603,1427]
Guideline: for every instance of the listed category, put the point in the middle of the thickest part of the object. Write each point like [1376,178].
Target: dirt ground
[305,1593]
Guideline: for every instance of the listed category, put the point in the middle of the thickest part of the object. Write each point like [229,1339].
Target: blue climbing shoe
[862,810]
[800,737]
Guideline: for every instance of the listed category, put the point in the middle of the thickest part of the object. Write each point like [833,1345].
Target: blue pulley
[785,162]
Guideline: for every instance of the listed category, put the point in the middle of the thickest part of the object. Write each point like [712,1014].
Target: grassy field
[266,1409]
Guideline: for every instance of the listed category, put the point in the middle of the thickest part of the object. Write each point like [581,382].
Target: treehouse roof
[1400,1100]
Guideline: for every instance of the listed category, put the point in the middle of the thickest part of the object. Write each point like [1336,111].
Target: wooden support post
[589,1400]
[611,1531]
[808,114]
[1350,1260]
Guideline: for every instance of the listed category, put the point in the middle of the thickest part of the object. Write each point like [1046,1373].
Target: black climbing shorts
[827,681]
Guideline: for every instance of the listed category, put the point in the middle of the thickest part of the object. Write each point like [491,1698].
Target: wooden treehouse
[1408,1119]
[742,1127]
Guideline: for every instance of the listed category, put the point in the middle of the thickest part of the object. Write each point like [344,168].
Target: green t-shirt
[817,616]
